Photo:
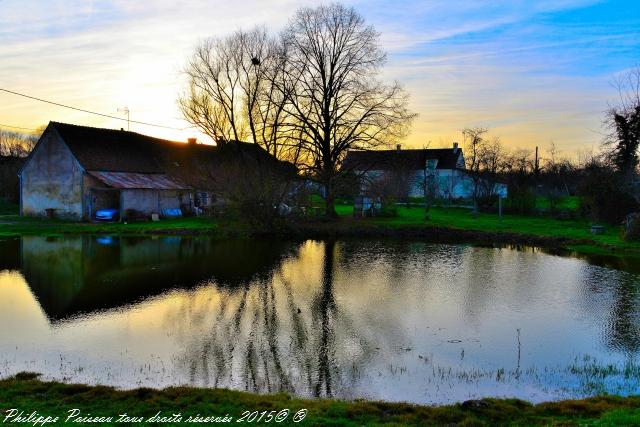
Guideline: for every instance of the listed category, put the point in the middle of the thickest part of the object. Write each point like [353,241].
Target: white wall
[451,183]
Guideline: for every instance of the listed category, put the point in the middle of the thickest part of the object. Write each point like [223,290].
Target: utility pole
[125,110]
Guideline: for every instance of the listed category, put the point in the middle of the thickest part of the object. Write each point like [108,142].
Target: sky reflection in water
[399,321]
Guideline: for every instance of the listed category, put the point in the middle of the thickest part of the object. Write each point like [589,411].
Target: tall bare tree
[475,143]
[308,97]
[334,95]
[232,92]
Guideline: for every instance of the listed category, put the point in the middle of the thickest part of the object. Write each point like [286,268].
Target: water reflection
[82,274]
[389,320]
[271,336]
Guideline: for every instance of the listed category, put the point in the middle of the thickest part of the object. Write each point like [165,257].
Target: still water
[399,321]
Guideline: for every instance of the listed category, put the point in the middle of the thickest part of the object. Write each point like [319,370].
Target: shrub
[522,201]
[602,196]
[488,203]
[388,211]
[607,206]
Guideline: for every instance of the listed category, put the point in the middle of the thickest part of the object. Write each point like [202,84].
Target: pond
[384,320]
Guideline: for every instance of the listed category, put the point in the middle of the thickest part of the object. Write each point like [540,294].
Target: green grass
[25,392]
[12,225]
[571,203]
[576,232]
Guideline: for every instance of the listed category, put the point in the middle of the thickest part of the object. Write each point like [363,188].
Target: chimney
[455,147]
[192,141]
[398,147]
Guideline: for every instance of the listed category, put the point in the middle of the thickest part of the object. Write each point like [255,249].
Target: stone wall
[152,201]
[52,179]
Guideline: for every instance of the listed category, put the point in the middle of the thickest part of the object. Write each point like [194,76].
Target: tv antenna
[125,110]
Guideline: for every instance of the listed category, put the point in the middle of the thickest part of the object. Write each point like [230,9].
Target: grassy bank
[444,224]
[14,225]
[24,392]
[574,234]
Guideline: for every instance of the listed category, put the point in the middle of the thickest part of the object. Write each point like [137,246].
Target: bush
[602,197]
[388,211]
[522,201]
[607,206]
[488,203]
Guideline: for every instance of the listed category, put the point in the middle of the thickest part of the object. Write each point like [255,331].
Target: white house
[440,170]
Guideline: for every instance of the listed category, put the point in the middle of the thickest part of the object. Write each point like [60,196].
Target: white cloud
[464,62]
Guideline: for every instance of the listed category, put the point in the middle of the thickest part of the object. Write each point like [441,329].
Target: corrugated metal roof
[132,180]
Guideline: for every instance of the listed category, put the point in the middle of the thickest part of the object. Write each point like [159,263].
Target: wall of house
[145,201]
[451,183]
[455,184]
[152,201]
[52,179]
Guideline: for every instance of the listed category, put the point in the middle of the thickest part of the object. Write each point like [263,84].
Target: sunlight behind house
[522,69]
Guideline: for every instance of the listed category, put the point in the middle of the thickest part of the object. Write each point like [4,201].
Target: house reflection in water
[80,274]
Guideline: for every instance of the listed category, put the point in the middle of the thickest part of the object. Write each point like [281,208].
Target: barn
[74,171]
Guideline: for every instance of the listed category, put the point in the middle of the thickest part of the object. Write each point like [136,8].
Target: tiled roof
[413,159]
[194,165]
[113,150]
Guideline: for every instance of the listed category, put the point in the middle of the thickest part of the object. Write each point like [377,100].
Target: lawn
[576,232]
[26,393]
[570,203]
[12,225]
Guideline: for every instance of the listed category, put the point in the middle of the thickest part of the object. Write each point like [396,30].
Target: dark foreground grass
[8,208]
[25,393]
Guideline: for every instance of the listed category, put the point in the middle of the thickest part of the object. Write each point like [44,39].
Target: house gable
[51,178]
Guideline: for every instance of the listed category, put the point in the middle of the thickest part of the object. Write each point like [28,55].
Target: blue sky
[532,71]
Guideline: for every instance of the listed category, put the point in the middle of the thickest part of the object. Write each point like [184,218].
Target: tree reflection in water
[378,319]
[265,338]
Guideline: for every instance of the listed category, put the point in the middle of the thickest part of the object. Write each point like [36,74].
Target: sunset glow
[532,72]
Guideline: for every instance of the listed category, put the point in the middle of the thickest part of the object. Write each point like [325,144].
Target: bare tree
[475,142]
[492,163]
[233,92]
[335,98]
[14,144]
[307,98]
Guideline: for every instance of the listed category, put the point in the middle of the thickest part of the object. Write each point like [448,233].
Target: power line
[15,127]
[89,111]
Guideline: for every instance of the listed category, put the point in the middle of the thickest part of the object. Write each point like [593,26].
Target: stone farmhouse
[74,171]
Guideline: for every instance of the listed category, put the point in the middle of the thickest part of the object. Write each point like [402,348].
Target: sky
[532,72]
